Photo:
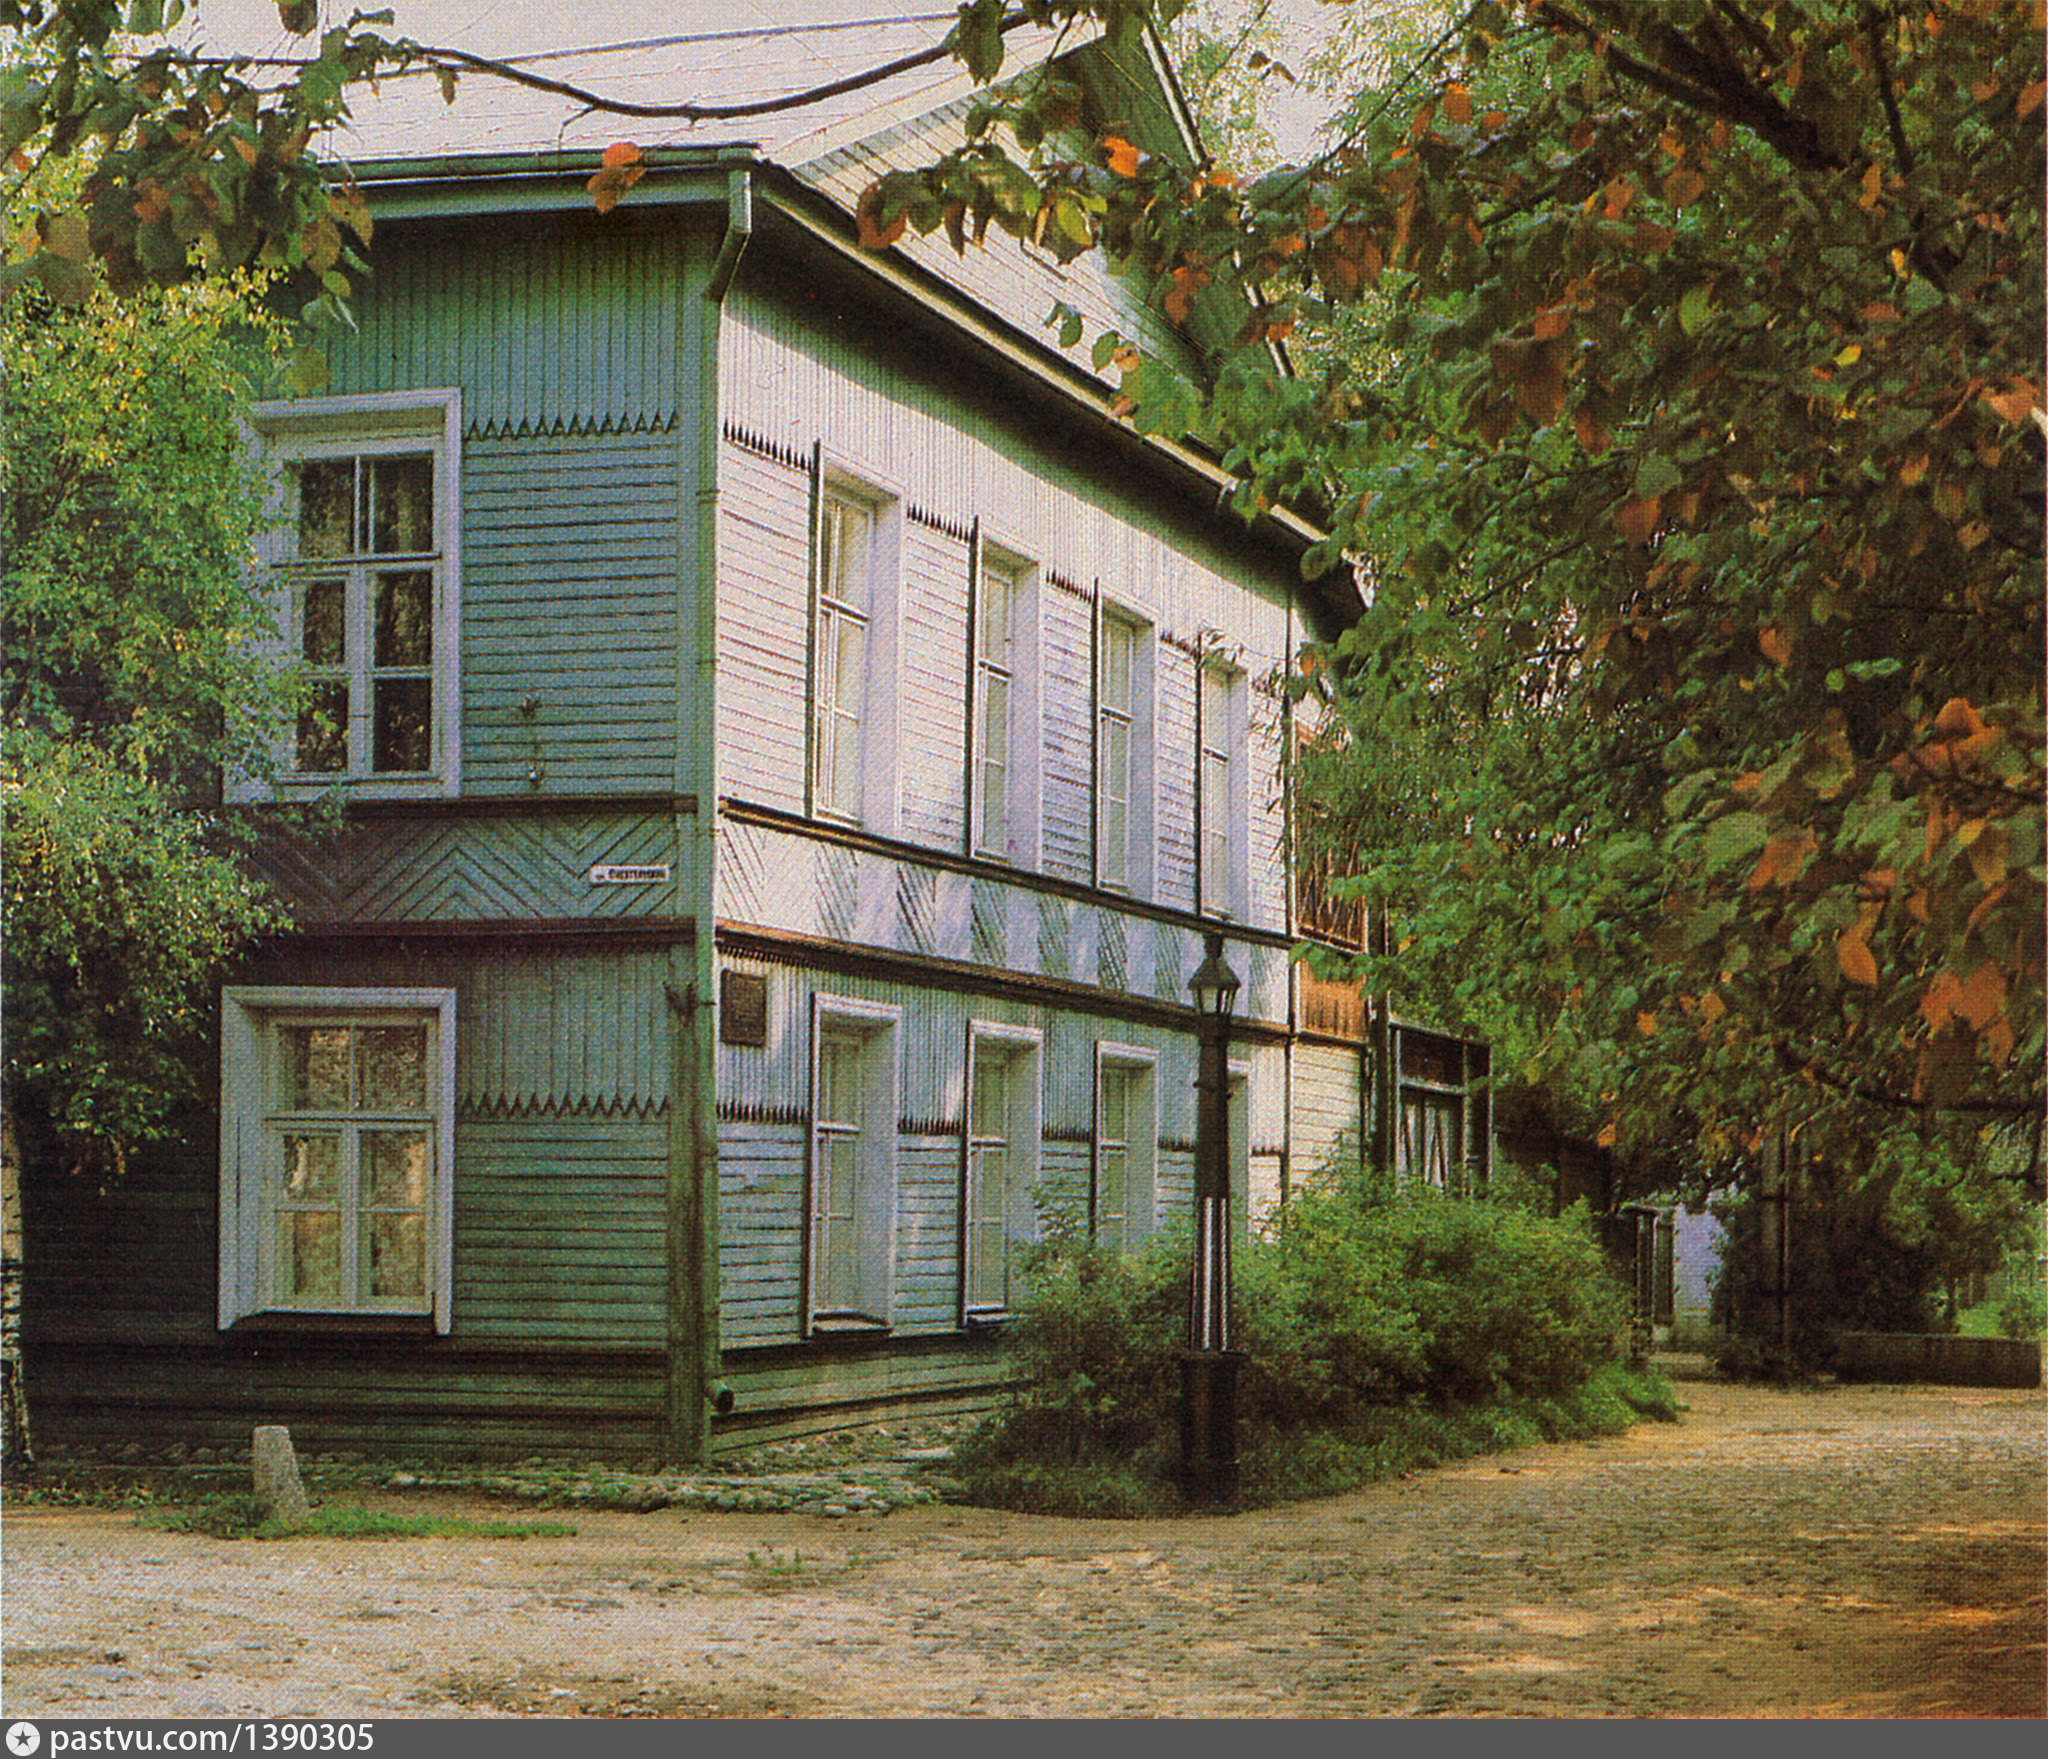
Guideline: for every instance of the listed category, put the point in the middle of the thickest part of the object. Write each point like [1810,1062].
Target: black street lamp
[1208,1419]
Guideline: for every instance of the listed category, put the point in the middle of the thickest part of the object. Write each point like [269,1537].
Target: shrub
[1356,1307]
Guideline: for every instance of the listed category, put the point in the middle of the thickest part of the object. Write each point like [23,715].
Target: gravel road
[1854,1551]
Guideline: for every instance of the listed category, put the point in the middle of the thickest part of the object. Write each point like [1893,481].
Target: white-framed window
[1123,1200]
[1123,753]
[852,1175]
[337,1152]
[1003,1112]
[365,555]
[1224,793]
[852,709]
[1003,759]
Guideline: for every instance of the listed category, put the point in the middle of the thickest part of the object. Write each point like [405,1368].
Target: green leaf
[1695,308]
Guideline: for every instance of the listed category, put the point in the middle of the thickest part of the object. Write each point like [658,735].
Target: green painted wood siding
[567,330]
[511,866]
[559,1228]
[569,600]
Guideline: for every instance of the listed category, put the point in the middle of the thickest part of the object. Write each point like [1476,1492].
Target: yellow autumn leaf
[1853,955]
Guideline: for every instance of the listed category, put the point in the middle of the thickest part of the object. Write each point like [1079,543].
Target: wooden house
[791,743]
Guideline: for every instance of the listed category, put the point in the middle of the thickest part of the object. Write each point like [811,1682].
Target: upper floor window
[366,551]
[1222,785]
[853,636]
[1003,757]
[995,682]
[1123,755]
[839,708]
[337,1151]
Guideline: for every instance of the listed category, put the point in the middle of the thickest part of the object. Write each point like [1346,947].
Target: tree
[138,665]
[1697,475]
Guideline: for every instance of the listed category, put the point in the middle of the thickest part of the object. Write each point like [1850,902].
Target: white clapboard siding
[1326,1106]
[932,679]
[763,629]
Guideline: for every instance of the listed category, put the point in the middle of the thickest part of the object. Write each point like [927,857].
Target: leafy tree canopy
[1674,369]
[1695,456]
[137,664]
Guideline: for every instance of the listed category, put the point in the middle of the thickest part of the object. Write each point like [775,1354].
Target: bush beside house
[1378,1335]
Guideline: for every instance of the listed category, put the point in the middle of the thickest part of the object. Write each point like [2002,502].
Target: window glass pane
[327,493]
[405,618]
[315,1068]
[1109,1196]
[1215,707]
[402,504]
[392,1068]
[311,1250]
[847,529]
[990,1098]
[312,1168]
[1116,664]
[998,623]
[838,1102]
[402,735]
[322,745]
[397,1169]
[396,1248]
[322,611]
[1115,1104]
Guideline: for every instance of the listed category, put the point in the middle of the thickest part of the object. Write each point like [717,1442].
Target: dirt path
[1852,1552]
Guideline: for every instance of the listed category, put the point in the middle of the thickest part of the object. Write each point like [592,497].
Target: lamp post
[1208,1421]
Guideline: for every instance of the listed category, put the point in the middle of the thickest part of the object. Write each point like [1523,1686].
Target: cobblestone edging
[857,1472]
[864,1491]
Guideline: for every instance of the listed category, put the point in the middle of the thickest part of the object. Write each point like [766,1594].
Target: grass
[243,1517]
[1278,1469]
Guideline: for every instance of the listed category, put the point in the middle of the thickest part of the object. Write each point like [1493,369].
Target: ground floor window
[1001,1171]
[852,1176]
[337,1151]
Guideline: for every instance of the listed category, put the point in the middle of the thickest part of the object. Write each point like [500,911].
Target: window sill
[286,1323]
[987,1319]
[848,1325]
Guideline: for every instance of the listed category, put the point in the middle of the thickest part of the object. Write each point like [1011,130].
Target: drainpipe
[696,1388]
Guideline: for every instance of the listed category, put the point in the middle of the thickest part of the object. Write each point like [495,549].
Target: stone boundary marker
[276,1471]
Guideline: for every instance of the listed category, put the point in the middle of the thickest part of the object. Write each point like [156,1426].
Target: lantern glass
[1214,984]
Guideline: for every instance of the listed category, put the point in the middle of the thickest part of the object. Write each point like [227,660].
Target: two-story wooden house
[791,742]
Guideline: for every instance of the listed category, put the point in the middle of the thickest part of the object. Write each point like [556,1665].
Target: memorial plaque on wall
[742,1008]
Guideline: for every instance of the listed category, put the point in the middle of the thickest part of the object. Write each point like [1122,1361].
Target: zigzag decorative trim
[945,527]
[740,1112]
[1060,583]
[776,454]
[575,428]
[481,1110]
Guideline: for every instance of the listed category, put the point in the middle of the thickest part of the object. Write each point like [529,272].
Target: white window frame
[1014,1221]
[368,425]
[1222,782]
[875,1029]
[1015,748]
[250,1017]
[868,712]
[1139,1069]
[1130,869]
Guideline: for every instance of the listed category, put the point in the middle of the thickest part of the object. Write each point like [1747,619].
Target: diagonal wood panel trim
[396,870]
